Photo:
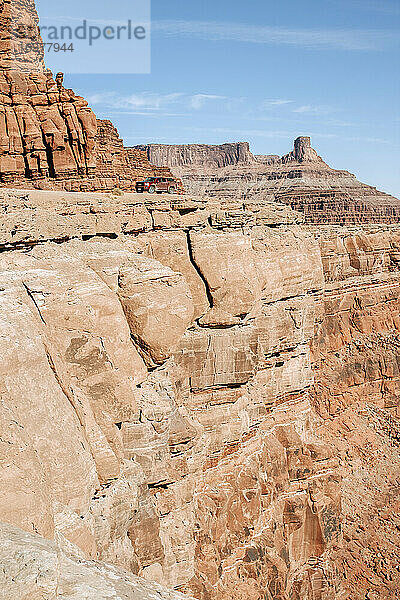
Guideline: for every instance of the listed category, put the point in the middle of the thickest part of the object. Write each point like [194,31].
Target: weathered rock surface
[31,216]
[300,179]
[36,568]
[253,453]
[49,137]
[208,399]
[227,264]
[158,306]
[19,21]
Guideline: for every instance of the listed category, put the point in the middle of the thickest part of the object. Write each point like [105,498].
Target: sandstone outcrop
[208,400]
[46,131]
[158,306]
[49,137]
[19,21]
[300,179]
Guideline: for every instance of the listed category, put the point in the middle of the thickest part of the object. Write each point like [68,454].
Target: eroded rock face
[19,20]
[49,137]
[46,130]
[199,154]
[172,249]
[37,568]
[302,152]
[157,303]
[206,401]
[226,262]
[46,465]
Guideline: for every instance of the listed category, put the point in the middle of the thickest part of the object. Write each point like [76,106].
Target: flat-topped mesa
[204,155]
[21,46]
[236,154]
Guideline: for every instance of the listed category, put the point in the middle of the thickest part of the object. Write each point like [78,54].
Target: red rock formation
[46,131]
[49,137]
[355,352]
[19,22]
[208,399]
[300,179]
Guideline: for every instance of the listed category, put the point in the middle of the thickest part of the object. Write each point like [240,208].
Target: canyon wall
[46,131]
[51,139]
[201,392]
[300,179]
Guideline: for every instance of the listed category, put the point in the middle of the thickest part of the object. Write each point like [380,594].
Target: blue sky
[266,71]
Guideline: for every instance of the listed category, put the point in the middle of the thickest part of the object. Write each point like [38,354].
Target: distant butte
[300,179]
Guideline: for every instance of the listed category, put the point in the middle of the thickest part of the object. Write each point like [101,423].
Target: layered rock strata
[49,137]
[37,568]
[208,400]
[300,179]
[46,131]
[19,26]
[200,155]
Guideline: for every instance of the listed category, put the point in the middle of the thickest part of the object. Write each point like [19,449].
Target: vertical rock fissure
[198,270]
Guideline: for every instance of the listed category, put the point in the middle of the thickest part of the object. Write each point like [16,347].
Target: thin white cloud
[197,101]
[280,102]
[158,115]
[275,102]
[144,101]
[152,102]
[312,110]
[330,39]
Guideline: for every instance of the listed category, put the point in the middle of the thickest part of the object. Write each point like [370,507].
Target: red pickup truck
[157,184]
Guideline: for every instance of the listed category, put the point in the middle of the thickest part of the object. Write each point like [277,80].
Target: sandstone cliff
[33,567]
[199,396]
[208,400]
[49,137]
[300,179]
[19,21]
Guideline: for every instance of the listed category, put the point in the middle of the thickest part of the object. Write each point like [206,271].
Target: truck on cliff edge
[157,185]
